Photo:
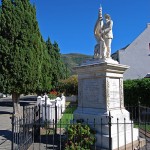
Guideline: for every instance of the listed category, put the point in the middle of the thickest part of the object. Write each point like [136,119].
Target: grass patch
[67,116]
[143,126]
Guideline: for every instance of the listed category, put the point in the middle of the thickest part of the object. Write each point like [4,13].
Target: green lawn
[144,126]
[67,116]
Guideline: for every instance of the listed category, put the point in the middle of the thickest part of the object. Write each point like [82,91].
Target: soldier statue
[104,35]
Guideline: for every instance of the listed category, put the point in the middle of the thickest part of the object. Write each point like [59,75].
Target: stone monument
[104,35]
[100,93]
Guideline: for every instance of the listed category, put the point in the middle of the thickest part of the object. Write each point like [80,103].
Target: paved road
[6,110]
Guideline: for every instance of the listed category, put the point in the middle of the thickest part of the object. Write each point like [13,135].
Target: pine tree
[25,61]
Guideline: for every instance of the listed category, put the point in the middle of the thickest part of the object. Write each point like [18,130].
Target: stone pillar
[100,92]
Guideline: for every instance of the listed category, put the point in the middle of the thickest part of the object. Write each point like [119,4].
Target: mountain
[74,59]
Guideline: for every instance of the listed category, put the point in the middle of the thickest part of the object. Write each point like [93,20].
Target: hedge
[137,90]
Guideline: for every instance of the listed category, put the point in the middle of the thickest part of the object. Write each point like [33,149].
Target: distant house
[147,76]
[136,55]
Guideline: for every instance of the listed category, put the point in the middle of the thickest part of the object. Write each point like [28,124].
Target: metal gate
[22,129]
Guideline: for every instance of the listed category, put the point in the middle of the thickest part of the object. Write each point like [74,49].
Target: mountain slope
[74,59]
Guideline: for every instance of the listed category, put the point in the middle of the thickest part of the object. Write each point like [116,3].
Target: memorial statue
[104,35]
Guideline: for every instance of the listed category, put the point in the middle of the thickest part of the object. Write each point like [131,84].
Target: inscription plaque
[92,92]
[114,93]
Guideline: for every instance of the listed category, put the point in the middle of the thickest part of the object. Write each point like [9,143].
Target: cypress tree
[58,70]
[25,61]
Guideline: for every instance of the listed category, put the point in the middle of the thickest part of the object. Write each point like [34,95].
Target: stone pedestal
[100,95]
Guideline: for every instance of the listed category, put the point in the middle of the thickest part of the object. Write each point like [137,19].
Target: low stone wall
[72,98]
[51,106]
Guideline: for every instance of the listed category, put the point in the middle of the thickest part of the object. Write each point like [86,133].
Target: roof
[147,76]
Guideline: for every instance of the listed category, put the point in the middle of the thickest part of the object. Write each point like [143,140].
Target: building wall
[137,56]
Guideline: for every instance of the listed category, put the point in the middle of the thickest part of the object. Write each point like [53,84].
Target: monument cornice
[101,67]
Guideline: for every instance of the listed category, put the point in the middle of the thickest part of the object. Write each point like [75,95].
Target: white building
[136,55]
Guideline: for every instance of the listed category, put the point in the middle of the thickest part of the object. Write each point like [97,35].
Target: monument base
[114,125]
[134,145]
[101,103]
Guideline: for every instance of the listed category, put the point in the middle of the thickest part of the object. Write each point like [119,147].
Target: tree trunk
[16,104]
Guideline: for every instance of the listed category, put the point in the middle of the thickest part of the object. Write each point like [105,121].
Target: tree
[58,68]
[25,63]
[69,85]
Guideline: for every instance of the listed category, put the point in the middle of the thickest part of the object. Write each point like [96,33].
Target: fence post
[110,140]
[39,123]
[34,127]
[55,117]
[12,122]
[37,120]
[24,125]
[46,123]
[139,112]
[45,108]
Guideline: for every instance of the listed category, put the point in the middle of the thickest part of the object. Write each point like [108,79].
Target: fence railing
[39,130]
[22,130]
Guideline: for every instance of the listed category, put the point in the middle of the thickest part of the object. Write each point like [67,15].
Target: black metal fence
[43,128]
[23,129]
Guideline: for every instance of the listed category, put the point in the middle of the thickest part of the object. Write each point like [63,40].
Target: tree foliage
[69,85]
[25,63]
[137,90]
[58,68]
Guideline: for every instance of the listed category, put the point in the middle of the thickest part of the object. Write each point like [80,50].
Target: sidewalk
[6,110]
[5,128]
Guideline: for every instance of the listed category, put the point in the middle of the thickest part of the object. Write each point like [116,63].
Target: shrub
[53,94]
[79,136]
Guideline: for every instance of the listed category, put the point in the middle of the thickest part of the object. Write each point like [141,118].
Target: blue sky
[71,22]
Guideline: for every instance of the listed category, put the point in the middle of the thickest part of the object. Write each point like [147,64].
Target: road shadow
[5,112]
[24,101]
[52,141]
[28,98]
[7,134]
[10,104]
